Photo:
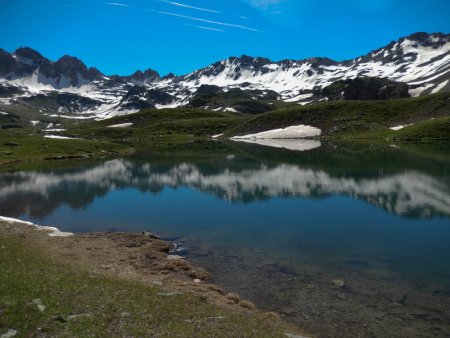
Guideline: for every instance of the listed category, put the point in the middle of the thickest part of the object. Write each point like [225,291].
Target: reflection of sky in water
[407,193]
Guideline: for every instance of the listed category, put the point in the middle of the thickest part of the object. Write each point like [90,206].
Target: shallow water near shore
[343,240]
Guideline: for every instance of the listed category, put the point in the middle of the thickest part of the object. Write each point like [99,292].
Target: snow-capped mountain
[68,88]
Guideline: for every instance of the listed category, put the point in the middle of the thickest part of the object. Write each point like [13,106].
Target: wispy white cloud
[179,4]
[226,24]
[206,28]
[117,4]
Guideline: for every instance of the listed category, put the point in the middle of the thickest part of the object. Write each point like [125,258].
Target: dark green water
[279,227]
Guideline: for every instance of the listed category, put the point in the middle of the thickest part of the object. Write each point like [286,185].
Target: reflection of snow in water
[402,193]
[290,144]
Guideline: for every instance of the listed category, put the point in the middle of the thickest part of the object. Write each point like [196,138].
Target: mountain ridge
[420,60]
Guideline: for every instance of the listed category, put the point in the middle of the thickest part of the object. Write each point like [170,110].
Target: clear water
[279,226]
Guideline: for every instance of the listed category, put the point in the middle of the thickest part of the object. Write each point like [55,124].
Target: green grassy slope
[428,118]
[25,146]
[350,118]
[339,119]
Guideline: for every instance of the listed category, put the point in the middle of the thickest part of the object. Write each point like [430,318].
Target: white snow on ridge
[56,129]
[52,231]
[60,137]
[122,125]
[419,90]
[230,110]
[440,86]
[292,132]
[401,126]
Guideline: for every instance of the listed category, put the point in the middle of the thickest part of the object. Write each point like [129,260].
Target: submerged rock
[339,283]
[150,234]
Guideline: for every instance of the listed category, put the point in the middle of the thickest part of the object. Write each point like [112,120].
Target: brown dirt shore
[138,257]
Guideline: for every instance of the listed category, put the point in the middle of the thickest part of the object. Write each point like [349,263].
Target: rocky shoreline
[140,257]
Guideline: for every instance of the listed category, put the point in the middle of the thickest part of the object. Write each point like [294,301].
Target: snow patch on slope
[292,132]
[401,126]
[122,125]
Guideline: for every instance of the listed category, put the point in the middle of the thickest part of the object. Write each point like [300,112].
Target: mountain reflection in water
[407,193]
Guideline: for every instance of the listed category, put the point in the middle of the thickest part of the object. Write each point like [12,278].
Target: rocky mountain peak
[69,63]
[29,55]
[247,61]
[74,69]
[435,40]
[140,76]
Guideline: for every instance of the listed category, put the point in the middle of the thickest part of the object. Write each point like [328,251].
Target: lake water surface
[285,229]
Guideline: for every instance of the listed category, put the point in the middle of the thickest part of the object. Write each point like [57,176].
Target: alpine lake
[342,239]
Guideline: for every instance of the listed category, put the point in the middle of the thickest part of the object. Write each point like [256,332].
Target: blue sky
[120,36]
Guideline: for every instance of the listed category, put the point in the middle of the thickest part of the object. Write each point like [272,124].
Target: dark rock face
[70,102]
[25,61]
[28,55]
[9,65]
[208,90]
[139,76]
[72,68]
[252,107]
[140,97]
[243,101]
[8,91]
[159,96]
[365,88]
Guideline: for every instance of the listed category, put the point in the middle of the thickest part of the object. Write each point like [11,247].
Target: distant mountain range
[67,88]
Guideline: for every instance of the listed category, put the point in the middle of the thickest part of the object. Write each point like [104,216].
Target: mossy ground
[26,149]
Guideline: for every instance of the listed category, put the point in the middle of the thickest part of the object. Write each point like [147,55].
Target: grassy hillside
[358,118]
[19,147]
[427,119]
[165,125]
[341,119]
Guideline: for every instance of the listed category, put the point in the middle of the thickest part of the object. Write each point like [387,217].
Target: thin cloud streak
[117,4]
[190,7]
[206,28]
[226,24]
